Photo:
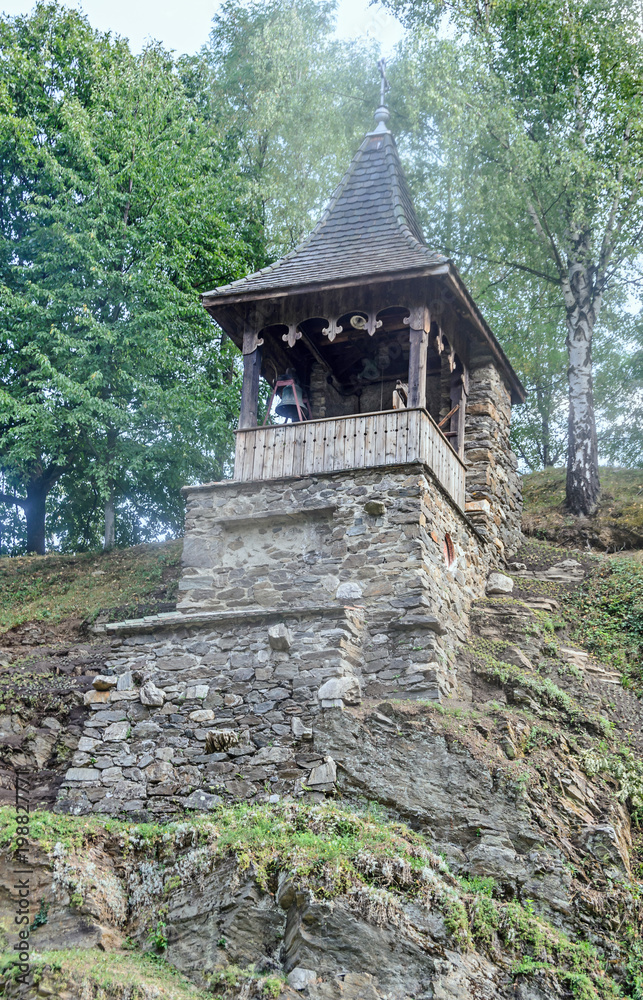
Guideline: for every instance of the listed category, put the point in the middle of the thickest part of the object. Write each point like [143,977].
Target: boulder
[499,584]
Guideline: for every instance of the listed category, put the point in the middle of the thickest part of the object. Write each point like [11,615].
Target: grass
[54,587]
[618,522]
[114,974]
[605,614]
[373,865]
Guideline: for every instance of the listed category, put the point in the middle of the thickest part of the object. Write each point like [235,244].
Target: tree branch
[13,501]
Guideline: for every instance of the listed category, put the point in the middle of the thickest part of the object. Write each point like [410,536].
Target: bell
[290,396]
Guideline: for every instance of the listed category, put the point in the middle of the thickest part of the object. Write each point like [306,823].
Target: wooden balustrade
[334,444]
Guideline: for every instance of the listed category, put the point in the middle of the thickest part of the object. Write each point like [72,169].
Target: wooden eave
[223,307]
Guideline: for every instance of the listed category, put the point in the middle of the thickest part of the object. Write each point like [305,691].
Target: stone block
[151,696]
[124,682]
[96,698]
[198,799]
[273,755]
[83,774]
[323,776]
[280,637]
[342,689]
[349,591]
[116,732]
[202,715]
[104,683]
[197,692]
[299,730]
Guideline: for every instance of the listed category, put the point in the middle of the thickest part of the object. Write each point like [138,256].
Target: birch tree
[545,96]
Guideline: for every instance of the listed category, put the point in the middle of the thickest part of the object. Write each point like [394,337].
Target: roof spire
[382,113]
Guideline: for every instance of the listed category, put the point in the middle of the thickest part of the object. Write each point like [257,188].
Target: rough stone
[349,592]
[499,584]
[204,801]
[152,696]
[280,637]
[346,689]
[116,731]
[300,978]
[324,775]
[104,683]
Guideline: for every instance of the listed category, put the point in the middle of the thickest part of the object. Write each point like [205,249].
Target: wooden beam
[419,322]
[251,372]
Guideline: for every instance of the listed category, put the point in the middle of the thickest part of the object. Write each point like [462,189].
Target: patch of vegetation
[544,690]
[624,767]
[375,866]
[617,523]
[228,979]
[111,974]
[53,587]
[605,614]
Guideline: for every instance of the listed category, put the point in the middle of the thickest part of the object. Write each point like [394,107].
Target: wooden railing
[392,437]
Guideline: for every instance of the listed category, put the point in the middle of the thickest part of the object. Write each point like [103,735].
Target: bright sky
[184,25]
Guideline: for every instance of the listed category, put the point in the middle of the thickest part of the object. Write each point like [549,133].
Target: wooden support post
[420,323]
[459,392]
[251,372]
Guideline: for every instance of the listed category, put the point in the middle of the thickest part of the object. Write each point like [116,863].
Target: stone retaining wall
[219,700]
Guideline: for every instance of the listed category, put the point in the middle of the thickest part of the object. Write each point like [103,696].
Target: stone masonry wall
[369,537]
[494,496]
[298,596]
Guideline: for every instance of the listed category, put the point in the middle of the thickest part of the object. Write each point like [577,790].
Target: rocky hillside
[488,846]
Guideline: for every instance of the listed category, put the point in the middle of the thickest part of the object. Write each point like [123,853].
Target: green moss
[544,690]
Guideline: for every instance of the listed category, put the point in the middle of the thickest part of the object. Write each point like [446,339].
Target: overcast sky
[183,25]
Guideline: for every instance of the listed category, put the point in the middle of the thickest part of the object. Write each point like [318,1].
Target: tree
[294,109]
[544,97]
[118,208]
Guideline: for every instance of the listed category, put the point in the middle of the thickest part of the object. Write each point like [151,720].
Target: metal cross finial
[385,85]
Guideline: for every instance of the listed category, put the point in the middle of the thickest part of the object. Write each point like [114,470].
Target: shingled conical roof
[369,227]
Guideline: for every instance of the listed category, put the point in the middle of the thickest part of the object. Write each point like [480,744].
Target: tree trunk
[110,522]
[583,486]
[34,508]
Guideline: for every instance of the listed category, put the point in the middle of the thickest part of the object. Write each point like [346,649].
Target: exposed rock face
[519,827]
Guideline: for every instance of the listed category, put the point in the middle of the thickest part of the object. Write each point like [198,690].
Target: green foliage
[90,972]
[491,665]
[521,126]
[115,217]
[292,107]
[625,767]
[332,852]
[606,614]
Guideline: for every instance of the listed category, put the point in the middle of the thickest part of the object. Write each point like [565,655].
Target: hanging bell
[291,394]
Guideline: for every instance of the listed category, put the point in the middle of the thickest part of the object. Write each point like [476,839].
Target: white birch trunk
[583,486]
[110,522]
